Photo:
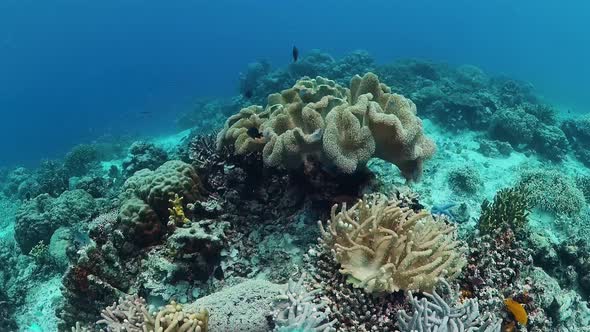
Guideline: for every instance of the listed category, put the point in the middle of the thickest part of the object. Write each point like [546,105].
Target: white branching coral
[131,315]
[299,312]
[384,247]
[434,313]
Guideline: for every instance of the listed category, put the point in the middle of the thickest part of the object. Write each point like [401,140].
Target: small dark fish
[254,132]
[248,94]
[145,112]
[295,53]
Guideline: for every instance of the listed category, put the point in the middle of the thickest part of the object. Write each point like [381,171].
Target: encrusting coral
[342,128]
[383,247]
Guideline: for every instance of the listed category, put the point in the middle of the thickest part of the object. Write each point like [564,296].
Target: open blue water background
[73,70]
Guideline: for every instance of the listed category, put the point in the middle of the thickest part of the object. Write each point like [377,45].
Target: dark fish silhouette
[254,133]
[248,94]
[295,53]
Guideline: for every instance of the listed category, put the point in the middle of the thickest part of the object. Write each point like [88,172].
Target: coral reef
[80,159]
[243,307]
[131,314]
[508,211]
[38,218]
[300,312]
[383,247]
[143,155]
[465,179]
[577,132]
[228,223]
[434,313]
[319,119]
[552,191]
[146,199]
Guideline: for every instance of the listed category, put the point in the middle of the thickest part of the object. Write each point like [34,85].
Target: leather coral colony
[383,247]
[342,128]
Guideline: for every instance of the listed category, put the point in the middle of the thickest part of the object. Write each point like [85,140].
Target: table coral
[383,247]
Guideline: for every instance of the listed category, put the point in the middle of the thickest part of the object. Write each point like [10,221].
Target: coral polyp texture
[318,119]
[131,314]
[383,247]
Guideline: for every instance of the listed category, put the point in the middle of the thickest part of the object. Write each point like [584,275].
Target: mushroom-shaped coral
[384,247]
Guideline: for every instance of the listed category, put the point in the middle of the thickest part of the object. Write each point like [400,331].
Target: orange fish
[517,310]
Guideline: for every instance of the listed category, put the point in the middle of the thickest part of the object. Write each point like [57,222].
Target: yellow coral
[173,318]
[384,247]
[177,215]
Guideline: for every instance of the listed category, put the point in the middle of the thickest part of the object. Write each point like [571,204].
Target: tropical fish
[253,132]
[295,53]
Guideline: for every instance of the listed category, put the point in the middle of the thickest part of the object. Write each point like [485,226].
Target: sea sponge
[384,247]
[341,128]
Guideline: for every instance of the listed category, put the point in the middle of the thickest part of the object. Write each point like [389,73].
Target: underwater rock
[317,119]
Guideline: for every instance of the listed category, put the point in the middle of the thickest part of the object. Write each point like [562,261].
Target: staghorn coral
[509,210]
[131,315]
[383,247]
[433,313]
[317,119]
[301,314]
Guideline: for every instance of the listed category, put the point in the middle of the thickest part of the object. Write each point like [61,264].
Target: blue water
[72,71]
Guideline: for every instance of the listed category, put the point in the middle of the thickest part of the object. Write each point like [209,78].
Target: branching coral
[342,128]
[383,247]
[131,315]
[176,211]
[301,314]
[433,313]
[509,210]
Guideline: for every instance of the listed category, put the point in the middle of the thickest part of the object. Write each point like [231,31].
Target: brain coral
[342,128]
[383,247]
[146,198]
